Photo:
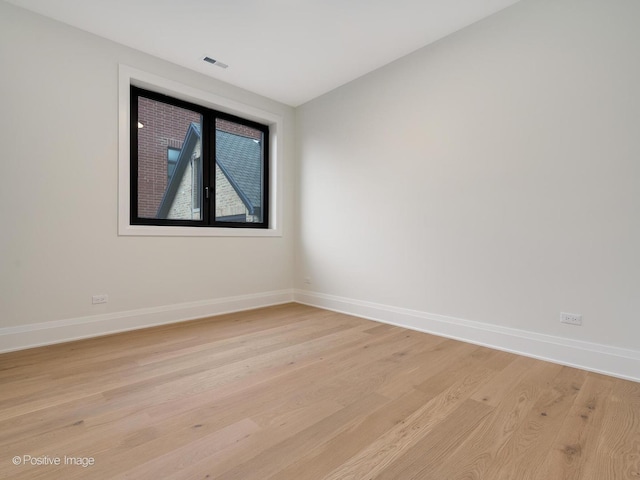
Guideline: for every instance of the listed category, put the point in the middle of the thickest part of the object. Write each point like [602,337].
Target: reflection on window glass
[239,173]
[172,159]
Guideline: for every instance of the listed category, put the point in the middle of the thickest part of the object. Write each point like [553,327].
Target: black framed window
[195,166]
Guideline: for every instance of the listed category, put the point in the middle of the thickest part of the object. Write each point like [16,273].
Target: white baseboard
[600,358]
[605,359]
[58,331]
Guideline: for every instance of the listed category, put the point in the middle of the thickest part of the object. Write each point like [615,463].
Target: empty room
[320,240]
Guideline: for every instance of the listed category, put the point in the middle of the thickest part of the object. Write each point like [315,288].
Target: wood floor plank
[578,435]
[389,447]
[288,425]
[72,382]
[294,392]
[184,456]
[617,453]
[426,365]
[514,402]
[430,452]
[269,461]
[493,392]
[526,450]
[319,462]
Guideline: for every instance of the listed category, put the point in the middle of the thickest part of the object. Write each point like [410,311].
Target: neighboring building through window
[193,166]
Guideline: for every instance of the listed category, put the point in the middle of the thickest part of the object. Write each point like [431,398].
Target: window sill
[157,231]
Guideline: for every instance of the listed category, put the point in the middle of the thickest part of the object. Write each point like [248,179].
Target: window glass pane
[239,172]
[169,161]
[172,160]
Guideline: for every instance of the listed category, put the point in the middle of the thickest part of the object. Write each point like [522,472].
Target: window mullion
[211,162]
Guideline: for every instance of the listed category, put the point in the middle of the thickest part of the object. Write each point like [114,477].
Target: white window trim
[130,76]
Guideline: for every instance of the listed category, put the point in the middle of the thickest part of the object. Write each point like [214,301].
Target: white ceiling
[288,50]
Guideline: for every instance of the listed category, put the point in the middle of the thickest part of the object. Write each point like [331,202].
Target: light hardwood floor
[293,392]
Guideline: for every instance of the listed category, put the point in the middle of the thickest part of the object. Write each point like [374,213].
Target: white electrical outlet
[571,318]
[104,298]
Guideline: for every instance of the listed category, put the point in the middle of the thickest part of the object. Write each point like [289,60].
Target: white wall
[493,176]
[58,190]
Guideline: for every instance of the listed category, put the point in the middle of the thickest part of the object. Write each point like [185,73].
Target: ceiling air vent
[215,62]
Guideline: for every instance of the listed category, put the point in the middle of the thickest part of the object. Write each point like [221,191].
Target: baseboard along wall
[594,357]
[600,358]
[59,331]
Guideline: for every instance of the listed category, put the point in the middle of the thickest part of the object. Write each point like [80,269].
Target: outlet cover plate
[571,318]
[96,299]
